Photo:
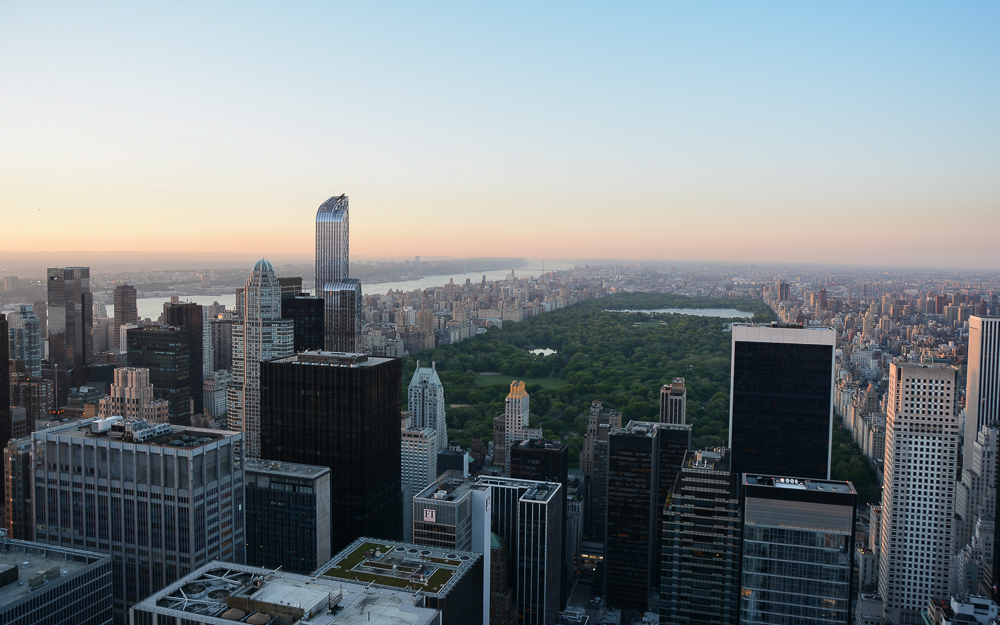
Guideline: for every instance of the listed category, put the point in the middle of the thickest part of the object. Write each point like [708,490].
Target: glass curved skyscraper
[341,295]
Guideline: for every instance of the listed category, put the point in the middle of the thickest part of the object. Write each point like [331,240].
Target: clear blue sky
[758,131]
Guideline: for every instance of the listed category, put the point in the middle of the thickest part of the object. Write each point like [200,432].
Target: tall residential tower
[341,294]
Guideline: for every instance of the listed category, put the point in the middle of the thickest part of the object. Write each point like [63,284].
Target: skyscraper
[132,396]
[982,396]
[340,411]
[189,316]
[259,334]
[512,426]
[341,294]
[126,312]
[425,401]
[643,462]
[70,317]
[166,352]
[26,340]
[306,313]
[781,400]
[6,424]
[160,499]
[673,402]
[918,495]
[798,541]
[701,543]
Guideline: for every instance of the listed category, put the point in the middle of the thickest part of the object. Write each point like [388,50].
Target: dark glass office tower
[643,462]
[126,310]
[306,313]
[6,427]
[342,331]
[701,543]
[781,400]
[340,411]
[70,319]
[190,316]
[166,352]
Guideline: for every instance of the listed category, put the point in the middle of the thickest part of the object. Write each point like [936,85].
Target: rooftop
[289,469]
[648,428]
[797,483]
[540,443]
[32,559]
[399,565]
[712,460]
[332,359]
[450,486]
[221,593]
[129,431]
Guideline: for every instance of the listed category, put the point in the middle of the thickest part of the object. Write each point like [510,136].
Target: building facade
[191,317]
[781,400]
[25,340]
[418,458]
[166,353]
[340,293]
[644,460]
[53,585]
[982,396]
[673,402]
[70,315]
[797,545]
[918,496]
[340,411]
[126,309]
[259,334]
[288,515]
[131,396]
[161,499]
[306,314]
[425,402]
[701,543]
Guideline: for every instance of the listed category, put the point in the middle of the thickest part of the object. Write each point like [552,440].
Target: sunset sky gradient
[848,133]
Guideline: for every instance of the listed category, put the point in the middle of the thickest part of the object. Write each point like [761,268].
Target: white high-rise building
[975,504]
[425,401]
[258,334]
[418,451]
[982,395]
[131,396]
[918,495]
[512,426]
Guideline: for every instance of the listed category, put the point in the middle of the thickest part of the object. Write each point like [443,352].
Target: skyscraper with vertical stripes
[982,393]
[341,294]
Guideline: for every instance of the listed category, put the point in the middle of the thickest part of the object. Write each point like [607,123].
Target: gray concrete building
[53,585]
[161,499]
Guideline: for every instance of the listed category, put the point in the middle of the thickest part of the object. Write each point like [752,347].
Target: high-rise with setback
[918,496]
[341,293]
[126,310]
[25,341]
[258,334]
[425,397]
[982,396]
[781,400]
[70,317]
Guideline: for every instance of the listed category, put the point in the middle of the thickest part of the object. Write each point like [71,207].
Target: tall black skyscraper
[340,411]
[190,317]
[306,313]
[781,400]
[126,309]
[643,462]
[166,352]
[70,319]
[6,427]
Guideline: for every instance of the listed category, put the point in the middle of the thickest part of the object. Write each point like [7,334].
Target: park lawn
[548,383]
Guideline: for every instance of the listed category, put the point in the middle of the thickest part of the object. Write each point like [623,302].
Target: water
[723,313]
[152,307]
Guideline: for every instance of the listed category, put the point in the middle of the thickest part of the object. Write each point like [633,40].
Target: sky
[843,133]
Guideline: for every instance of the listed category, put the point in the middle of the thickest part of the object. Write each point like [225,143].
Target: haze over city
[780,132]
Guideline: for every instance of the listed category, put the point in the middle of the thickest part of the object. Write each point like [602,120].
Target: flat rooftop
[285,469]
[332,359]
[649,428]
[220,593]
[450,487]
[30,558]
[179,436]
[398,565]
[797,483]
[708,459]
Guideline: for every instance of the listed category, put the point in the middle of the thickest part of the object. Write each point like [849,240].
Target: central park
[593,350]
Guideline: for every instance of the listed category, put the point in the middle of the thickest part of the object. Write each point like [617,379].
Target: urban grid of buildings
[257,464]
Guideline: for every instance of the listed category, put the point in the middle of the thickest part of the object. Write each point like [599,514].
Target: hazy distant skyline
[848,134]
